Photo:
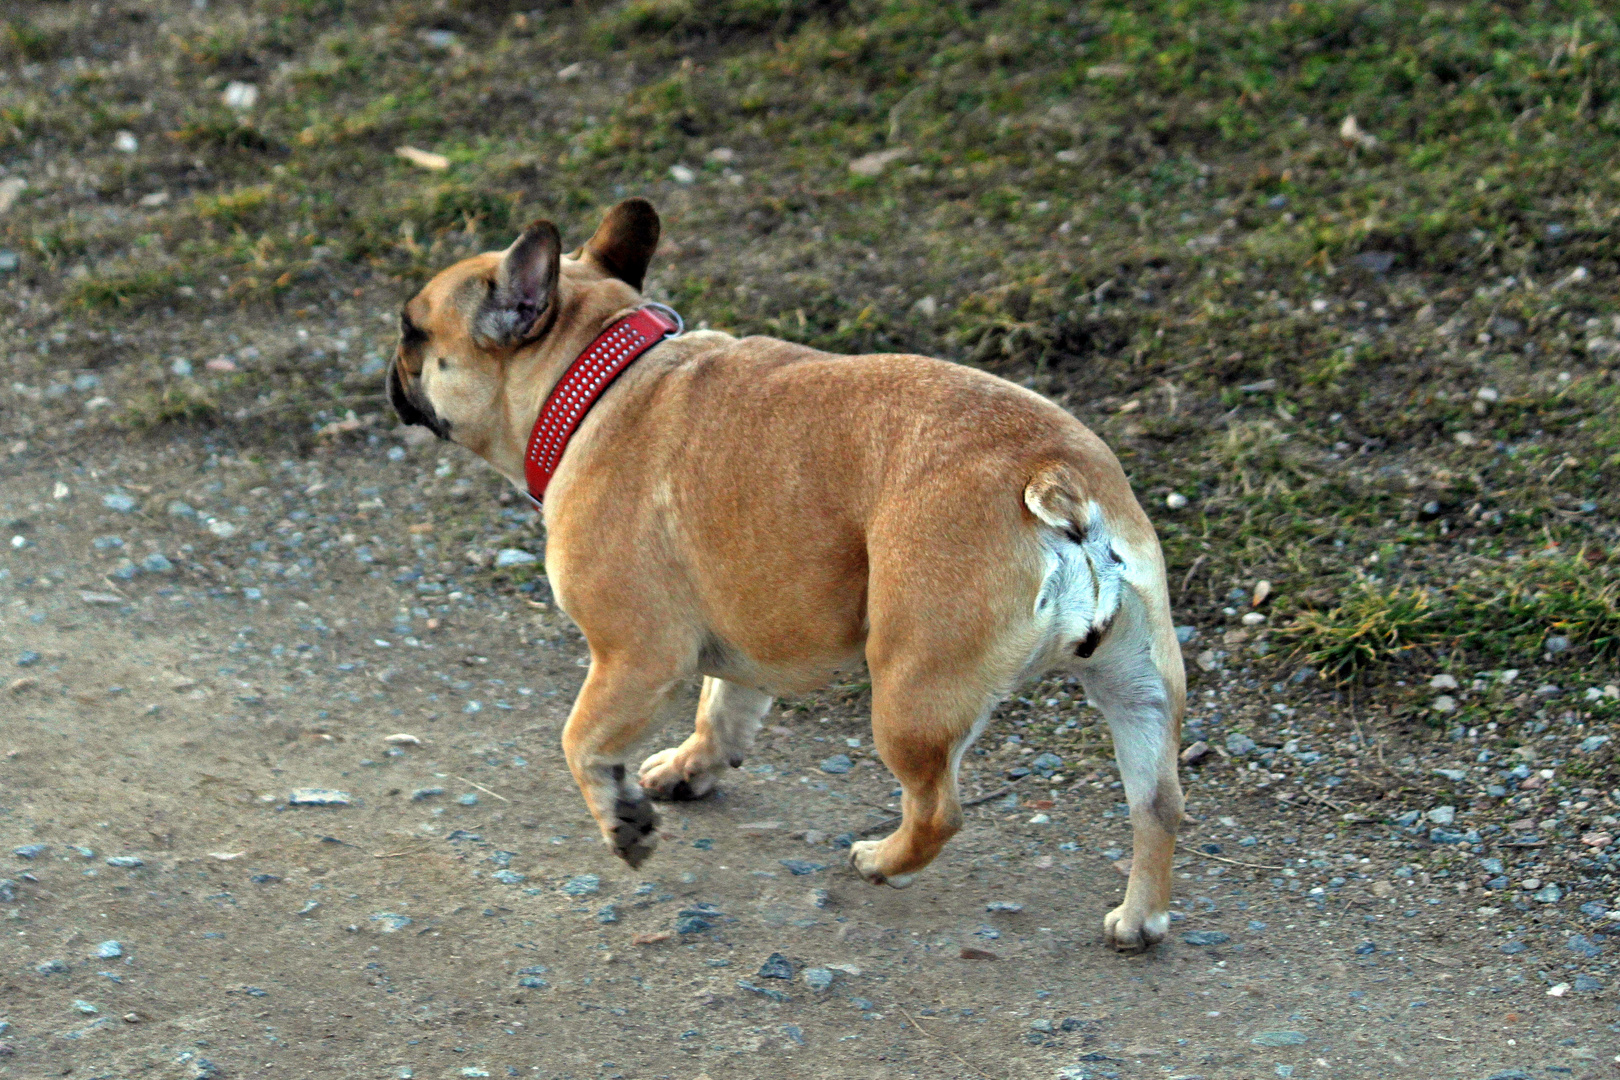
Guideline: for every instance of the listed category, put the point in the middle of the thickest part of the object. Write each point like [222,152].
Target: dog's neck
[532,373]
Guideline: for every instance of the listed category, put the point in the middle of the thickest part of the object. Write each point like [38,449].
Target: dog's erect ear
[525,286]
[623,244]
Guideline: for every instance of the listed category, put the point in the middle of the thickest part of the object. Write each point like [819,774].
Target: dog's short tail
[1082,586]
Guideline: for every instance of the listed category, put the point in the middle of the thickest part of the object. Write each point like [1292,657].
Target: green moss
[130,289]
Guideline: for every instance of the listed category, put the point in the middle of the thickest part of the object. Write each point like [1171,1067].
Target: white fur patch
[1080,592]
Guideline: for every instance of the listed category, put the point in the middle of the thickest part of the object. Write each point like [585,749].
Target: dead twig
[1314,798]
[482,788]
[1234,862]
[893,820]
[943,1044]
[1191,570]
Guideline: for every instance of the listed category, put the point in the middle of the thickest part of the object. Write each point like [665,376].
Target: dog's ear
[623,244]
[525,286]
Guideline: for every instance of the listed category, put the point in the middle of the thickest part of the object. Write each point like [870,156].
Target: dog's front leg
[614,707]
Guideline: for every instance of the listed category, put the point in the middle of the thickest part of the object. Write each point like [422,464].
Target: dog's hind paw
[1131,932]
[665,777]
[635,830]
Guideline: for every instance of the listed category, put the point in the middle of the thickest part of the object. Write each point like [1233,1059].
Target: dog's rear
[1103,609]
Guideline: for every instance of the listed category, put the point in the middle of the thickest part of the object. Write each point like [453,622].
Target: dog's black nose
[406,398]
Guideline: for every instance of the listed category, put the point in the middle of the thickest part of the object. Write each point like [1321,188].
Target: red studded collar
[592,371]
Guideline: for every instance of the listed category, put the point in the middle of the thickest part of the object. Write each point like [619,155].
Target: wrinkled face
[460,335]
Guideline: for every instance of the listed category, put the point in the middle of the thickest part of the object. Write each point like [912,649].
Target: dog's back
[794,493]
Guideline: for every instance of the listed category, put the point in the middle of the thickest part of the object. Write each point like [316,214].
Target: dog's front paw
[668,777]
[866,857]
[635,830]
[1132,932]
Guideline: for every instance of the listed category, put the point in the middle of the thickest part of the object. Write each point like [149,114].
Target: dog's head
[462,338]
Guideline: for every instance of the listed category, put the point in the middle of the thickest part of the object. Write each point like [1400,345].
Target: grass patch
[674,20]
[132,289]
[1512,614]
[175,404]
[1348,351]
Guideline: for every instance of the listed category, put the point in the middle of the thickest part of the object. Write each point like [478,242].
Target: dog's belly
[783,675]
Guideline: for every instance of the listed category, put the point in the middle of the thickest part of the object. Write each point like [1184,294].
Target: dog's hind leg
[613,709]
[922,723]
[1135,677]
[728,716]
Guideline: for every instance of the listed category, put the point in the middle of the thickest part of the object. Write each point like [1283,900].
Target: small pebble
[1239,744]
[125,862]
[1280,1038]
[1195,753]
[801,867]
[581,885]
[818,978]
[1176,501]
[776,966]
[109,950]
[838,764]
[317,797]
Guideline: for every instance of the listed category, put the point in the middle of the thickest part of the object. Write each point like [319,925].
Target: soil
[460,917]
[1368,364]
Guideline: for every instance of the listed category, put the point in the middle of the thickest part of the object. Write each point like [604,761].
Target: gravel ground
[196,635]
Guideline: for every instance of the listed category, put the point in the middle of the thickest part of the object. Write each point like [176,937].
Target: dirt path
[459,917]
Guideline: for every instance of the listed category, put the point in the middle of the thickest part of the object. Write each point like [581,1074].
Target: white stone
[240,95]
[508,557]
[874,163]
[1443,815]
[1176,501]
[1444,681]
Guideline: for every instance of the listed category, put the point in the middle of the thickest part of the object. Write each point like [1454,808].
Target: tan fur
[763,514]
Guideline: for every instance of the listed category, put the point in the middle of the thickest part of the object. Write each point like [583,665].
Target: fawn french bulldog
[760,514]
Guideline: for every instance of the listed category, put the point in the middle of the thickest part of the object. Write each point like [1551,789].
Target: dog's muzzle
[405,394]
